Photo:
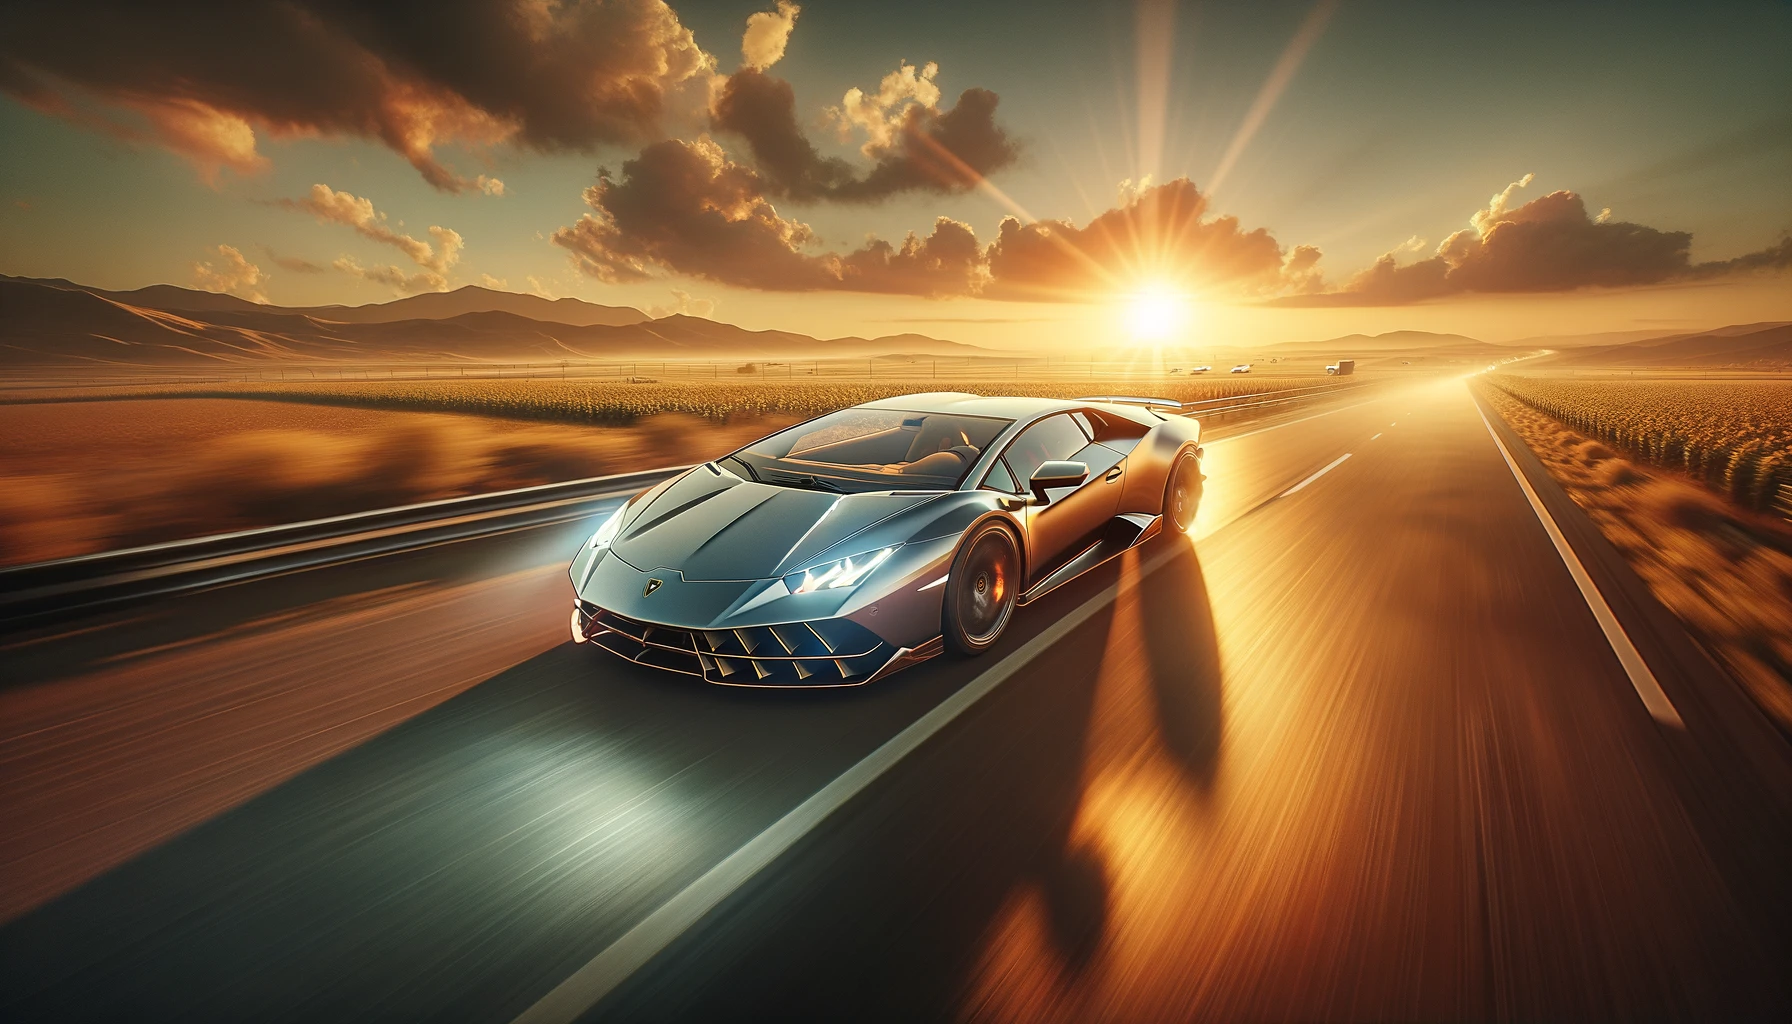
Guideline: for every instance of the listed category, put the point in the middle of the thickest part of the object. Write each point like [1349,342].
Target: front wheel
[981,590]
[1182,495]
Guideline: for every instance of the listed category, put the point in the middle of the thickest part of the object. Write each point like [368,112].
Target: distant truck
[1342,368]
[1242,368]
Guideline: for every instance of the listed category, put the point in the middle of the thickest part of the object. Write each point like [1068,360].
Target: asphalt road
[1360,751]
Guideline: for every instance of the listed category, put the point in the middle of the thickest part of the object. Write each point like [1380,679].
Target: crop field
[615,403]
[1736,436]
[1725,571]
[87,476]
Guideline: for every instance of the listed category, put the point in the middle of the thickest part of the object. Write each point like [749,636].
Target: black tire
[981,590]
[1182,492]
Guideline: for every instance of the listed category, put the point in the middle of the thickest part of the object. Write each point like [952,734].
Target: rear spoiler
[1166,403]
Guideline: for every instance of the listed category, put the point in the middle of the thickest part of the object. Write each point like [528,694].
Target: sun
[1156,314]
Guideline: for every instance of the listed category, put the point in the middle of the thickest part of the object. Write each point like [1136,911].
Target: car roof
[963,404]
[1008,407]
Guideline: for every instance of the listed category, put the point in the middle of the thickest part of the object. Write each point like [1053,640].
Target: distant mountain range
[53,322]
[1395,343]
[1762,346]
[57,322]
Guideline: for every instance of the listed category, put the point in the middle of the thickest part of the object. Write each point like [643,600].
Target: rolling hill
[427,306]
[474,299]
[1762,346]
[1393,345]
[51,323]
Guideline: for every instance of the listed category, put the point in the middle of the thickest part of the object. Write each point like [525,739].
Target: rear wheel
[1182,495]
[981,590]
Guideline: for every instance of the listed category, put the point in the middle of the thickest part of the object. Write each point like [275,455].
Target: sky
[1042,176]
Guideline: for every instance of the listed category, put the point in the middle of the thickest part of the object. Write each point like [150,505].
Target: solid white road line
[1647,687]
[1335,463]
[590,983]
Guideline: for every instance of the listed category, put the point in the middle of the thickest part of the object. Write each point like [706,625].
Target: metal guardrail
[1269,398]
[41,591]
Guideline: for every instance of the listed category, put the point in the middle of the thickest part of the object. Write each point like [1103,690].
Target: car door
[1072,513]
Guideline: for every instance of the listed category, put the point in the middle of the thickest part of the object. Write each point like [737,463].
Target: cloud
[880,114]
[683,305]
[295,264]
[208,81]
[233,274]
[915,146]
[332,207]
[685,208]
[1159,235]
[494,283]
[490,186]
[768,32]
[1549,244]
[1775,257]
[393,277]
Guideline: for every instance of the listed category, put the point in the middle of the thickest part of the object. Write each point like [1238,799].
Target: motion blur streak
[1638,670]
[1319,775]
[1360,754]
[165,738]
[1391,801]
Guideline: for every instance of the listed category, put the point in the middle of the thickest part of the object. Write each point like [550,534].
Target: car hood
[711,525]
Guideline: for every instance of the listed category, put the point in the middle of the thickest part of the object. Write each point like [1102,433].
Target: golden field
[1734,435]
[103,468]
[1724,570]
[619,402]
[90,476]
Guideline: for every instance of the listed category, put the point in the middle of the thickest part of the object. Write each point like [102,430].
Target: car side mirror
[1057,474]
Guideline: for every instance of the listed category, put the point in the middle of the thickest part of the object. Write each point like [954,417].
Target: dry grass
[115,467]
[1725,571]
[1736,436]
[90,476]
[614,402]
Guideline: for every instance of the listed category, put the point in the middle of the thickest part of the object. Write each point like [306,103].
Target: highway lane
[1405,779]
[1361,752]
[166,714]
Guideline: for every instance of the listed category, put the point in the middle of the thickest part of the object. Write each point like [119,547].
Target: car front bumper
[821,653]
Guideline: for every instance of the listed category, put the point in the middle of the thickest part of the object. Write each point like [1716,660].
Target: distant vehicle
[1175,369]
[840,550]
[1200,369]
[1242,368]
[1342,368]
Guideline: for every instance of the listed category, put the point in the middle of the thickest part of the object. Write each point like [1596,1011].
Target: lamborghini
[846,548]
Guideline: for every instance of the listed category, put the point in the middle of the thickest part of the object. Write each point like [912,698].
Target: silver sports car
[843,549]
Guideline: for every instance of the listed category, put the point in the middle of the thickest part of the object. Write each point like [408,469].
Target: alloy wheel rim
[1182,494]
[987,592]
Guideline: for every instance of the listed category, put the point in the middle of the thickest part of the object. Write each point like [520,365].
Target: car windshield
[856,450]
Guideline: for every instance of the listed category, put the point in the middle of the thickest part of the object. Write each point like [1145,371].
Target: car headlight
[843,572]
[606,534]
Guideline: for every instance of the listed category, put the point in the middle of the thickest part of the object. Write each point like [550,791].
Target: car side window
[1054,439]
[999,479]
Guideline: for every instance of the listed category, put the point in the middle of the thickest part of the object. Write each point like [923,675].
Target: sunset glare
[1157,315]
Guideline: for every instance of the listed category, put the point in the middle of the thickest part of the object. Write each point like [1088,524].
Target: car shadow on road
[1182,655]
[884,911]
